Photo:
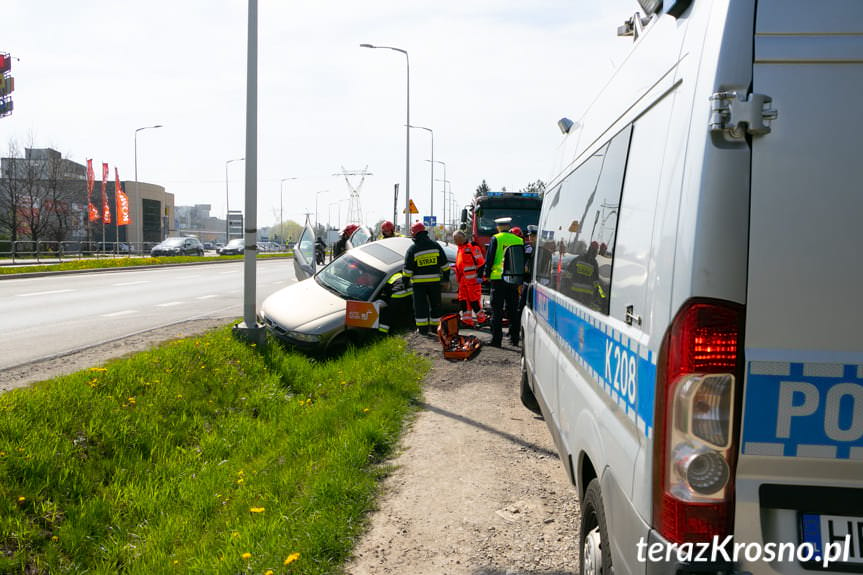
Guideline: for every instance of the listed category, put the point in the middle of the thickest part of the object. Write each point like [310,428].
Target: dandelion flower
[240,481]
[101,369]
[246,555]
[55,539]
[365,410]
[291,558]
[22,499]
[235,534]
[268,572]
[257,509]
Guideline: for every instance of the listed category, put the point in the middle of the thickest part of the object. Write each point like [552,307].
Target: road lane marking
[132,283]
[44,292]
[119,313]
[212,295]
[169,304]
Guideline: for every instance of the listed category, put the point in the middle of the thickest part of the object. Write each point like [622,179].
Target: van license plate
[843,533]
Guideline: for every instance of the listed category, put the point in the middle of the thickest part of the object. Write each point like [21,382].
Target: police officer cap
[531,230]
[503,221]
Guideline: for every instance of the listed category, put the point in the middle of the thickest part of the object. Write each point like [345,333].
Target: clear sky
[489,77]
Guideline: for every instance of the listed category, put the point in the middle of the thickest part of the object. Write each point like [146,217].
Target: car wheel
[338,344]
[528,399]
[593,539]
[200,253]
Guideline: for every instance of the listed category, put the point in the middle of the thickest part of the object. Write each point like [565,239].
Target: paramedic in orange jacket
[468,263]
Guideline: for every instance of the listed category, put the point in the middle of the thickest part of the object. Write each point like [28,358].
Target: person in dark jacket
[504,285]
[426,267]
[395,302]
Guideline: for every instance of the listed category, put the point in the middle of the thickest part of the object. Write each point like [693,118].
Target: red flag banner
[122,200]
[106,207]
[92,213]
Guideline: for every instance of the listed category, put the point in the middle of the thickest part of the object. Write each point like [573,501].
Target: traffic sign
[414,209]
[429,221]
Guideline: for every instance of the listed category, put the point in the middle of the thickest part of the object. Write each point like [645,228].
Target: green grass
[123,262]
[207,455]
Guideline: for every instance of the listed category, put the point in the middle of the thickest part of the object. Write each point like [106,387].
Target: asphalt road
[44,317]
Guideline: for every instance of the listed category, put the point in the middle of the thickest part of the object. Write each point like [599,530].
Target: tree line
[38,200]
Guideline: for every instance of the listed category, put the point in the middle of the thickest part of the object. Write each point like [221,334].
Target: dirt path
[478,488]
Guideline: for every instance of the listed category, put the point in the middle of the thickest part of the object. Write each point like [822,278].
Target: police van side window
[576,242]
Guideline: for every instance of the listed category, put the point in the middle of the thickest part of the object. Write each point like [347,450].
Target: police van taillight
[699,375]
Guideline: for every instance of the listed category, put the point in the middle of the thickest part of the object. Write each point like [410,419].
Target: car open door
[304,254]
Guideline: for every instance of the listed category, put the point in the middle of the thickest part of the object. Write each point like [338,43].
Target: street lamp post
[407,133]
[137,195]
[431,180]
[445,184]
[282,205]
[227,201]
[444,200]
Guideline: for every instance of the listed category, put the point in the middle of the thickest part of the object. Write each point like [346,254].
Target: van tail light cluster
[699,382]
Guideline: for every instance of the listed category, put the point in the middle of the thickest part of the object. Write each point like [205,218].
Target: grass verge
[206,455]
[123,262]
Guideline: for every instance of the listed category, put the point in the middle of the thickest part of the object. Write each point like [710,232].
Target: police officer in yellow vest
[504,290]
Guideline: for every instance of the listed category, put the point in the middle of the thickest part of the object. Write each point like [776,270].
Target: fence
[50,251]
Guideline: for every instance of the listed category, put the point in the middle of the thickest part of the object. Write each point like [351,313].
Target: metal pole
[137,195]
[431,180]
[281,205]
[250,328]
[227,200]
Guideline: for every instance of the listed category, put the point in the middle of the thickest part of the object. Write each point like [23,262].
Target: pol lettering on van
[818,410]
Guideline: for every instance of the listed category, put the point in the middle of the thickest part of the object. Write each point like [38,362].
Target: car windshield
[235,244]
[350,278]
[173,242]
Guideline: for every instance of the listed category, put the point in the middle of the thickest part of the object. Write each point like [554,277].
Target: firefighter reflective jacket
[425,261]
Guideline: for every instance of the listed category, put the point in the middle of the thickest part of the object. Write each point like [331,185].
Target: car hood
[304,305]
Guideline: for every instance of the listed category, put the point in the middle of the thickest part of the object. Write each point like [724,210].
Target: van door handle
[631,317]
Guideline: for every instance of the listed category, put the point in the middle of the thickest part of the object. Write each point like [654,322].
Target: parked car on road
[310,314]
[178,247]
[234,247]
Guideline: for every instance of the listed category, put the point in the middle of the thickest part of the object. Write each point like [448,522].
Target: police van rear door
[800,473]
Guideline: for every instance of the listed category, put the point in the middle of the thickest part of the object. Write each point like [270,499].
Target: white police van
[694,332]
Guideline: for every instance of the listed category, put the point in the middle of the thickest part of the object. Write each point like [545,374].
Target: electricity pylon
[355,210]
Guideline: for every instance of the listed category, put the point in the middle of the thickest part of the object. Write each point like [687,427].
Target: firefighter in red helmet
[426,266]
[388,230]
[341,245]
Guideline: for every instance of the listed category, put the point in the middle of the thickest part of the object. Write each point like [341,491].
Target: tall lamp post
[227,201]
[444,199]
[431,180]
[407,134]
[282,205]
[137,195]
[445,184]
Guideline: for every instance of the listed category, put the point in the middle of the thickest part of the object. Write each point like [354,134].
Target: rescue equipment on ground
[456,346]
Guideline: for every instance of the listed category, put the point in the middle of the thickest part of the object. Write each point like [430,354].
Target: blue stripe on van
[804,410]
[615,364]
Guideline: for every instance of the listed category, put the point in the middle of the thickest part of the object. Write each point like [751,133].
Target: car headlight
[305,337]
